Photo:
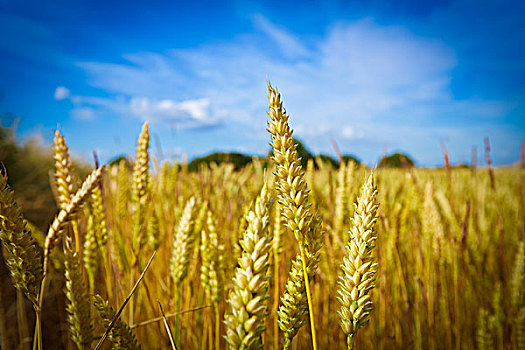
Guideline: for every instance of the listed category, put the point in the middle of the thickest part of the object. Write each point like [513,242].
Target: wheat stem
[308,296]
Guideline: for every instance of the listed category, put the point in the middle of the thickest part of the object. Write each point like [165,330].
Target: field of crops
[435,259]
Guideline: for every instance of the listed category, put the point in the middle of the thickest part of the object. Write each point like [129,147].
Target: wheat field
[272,255]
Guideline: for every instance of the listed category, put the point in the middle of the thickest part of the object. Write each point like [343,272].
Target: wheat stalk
[277,249]
[295,205]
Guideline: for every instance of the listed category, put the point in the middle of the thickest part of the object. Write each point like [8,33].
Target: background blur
[376,76]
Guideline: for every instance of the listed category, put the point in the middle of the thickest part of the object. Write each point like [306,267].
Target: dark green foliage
[350,157]
[116,161]
[303,153]
[238,160]
[327,160]
[396,160]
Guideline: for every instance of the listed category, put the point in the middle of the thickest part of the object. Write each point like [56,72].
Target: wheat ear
[90,252]
[484,336]
[140,189]
[78,305]
[247,300]
[212,269]
[120,335]
[359,265]
[518,279]
[22,256]
[277,249]
[65,215]
[293,312]
[183,242]
[65,177]
[295,205]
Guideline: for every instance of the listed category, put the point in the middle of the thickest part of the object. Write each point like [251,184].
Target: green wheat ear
[23,259]
[120,335]
[247,300]
[359,266]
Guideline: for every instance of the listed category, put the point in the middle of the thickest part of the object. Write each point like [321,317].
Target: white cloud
[83,113]
[348,132]
[61,93]
[183,113]
[390,85]
[289,45]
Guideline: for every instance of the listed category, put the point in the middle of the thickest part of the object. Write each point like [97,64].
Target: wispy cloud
[365,84]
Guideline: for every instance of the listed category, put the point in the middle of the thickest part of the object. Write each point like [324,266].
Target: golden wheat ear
[65,177]
[359,266]
[140,187]
[293,195]
[248,298]
[67,213]
[183,242]
[78,300]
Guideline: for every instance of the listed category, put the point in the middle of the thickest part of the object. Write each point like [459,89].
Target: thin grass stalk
[166,325]
[117,315]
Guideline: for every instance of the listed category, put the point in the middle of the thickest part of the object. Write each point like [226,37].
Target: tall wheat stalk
[295,205]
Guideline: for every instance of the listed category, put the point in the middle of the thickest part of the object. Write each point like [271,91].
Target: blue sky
[372,75]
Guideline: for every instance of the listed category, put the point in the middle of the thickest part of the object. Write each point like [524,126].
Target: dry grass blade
[157,319]
[172,342]
[106,333]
